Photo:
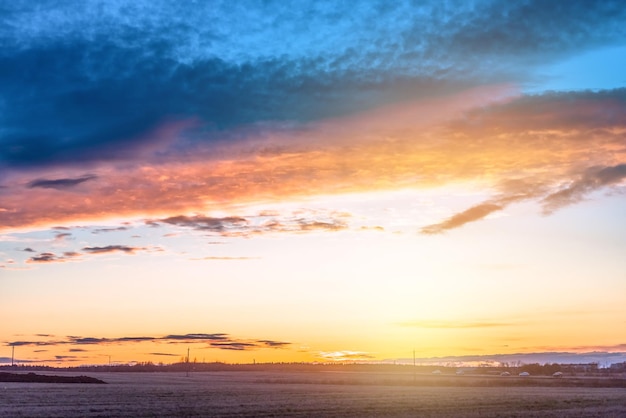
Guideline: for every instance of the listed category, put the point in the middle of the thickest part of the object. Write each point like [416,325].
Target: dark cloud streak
[112,249]
[60,184]
[218,340]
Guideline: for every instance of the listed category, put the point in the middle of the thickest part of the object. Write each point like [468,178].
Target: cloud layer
[119,78]
[218,340]
[556,156]
[149,112]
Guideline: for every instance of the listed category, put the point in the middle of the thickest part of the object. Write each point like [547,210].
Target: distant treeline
[591,369]
[38,378]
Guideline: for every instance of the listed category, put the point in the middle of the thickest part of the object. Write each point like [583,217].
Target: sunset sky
[311,181]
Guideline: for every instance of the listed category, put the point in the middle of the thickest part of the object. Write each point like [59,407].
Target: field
[311,394]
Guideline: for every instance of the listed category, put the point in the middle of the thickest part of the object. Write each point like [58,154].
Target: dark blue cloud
[60,184]
[532,30]
[90,82]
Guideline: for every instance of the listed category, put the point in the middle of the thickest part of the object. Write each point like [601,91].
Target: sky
[312,181]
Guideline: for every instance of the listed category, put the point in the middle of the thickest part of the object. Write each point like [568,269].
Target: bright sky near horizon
[311,181]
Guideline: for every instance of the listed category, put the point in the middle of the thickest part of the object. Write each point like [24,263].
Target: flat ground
[310,394]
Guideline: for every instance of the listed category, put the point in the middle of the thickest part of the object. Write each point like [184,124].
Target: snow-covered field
[324,394]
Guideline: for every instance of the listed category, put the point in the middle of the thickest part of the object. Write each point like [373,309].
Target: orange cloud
[534,147]
[472,214]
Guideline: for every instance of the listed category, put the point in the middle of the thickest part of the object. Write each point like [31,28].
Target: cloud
[120,74]
[163,354]
[104,230]
[86,340]
[203,223]
[518,148]
[324,226]
[534,29]
[197,337]
[217,258]
[60,184]
[456,325]
[28,343]
[265,222]
[592,179]
[112,249]
[237,346]
[470,215]
[8,360]
[274,344]
[66,358]
[60,237]
[581,151]
[48,257]
[218,340]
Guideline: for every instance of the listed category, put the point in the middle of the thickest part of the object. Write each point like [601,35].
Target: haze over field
[312,181]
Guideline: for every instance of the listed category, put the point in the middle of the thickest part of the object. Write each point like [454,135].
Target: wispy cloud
[233,345]
[67,358]
[60,237]
[300,221]
[470,215]
[48,257]
[204,223]
[592,179]
[274,344]
[196,337]
[456,325]
[217,340]
[113,229]
[112,249]
[224,258]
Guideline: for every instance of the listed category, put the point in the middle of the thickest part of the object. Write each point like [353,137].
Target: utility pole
[187,361]
[12,354]
[413,365]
